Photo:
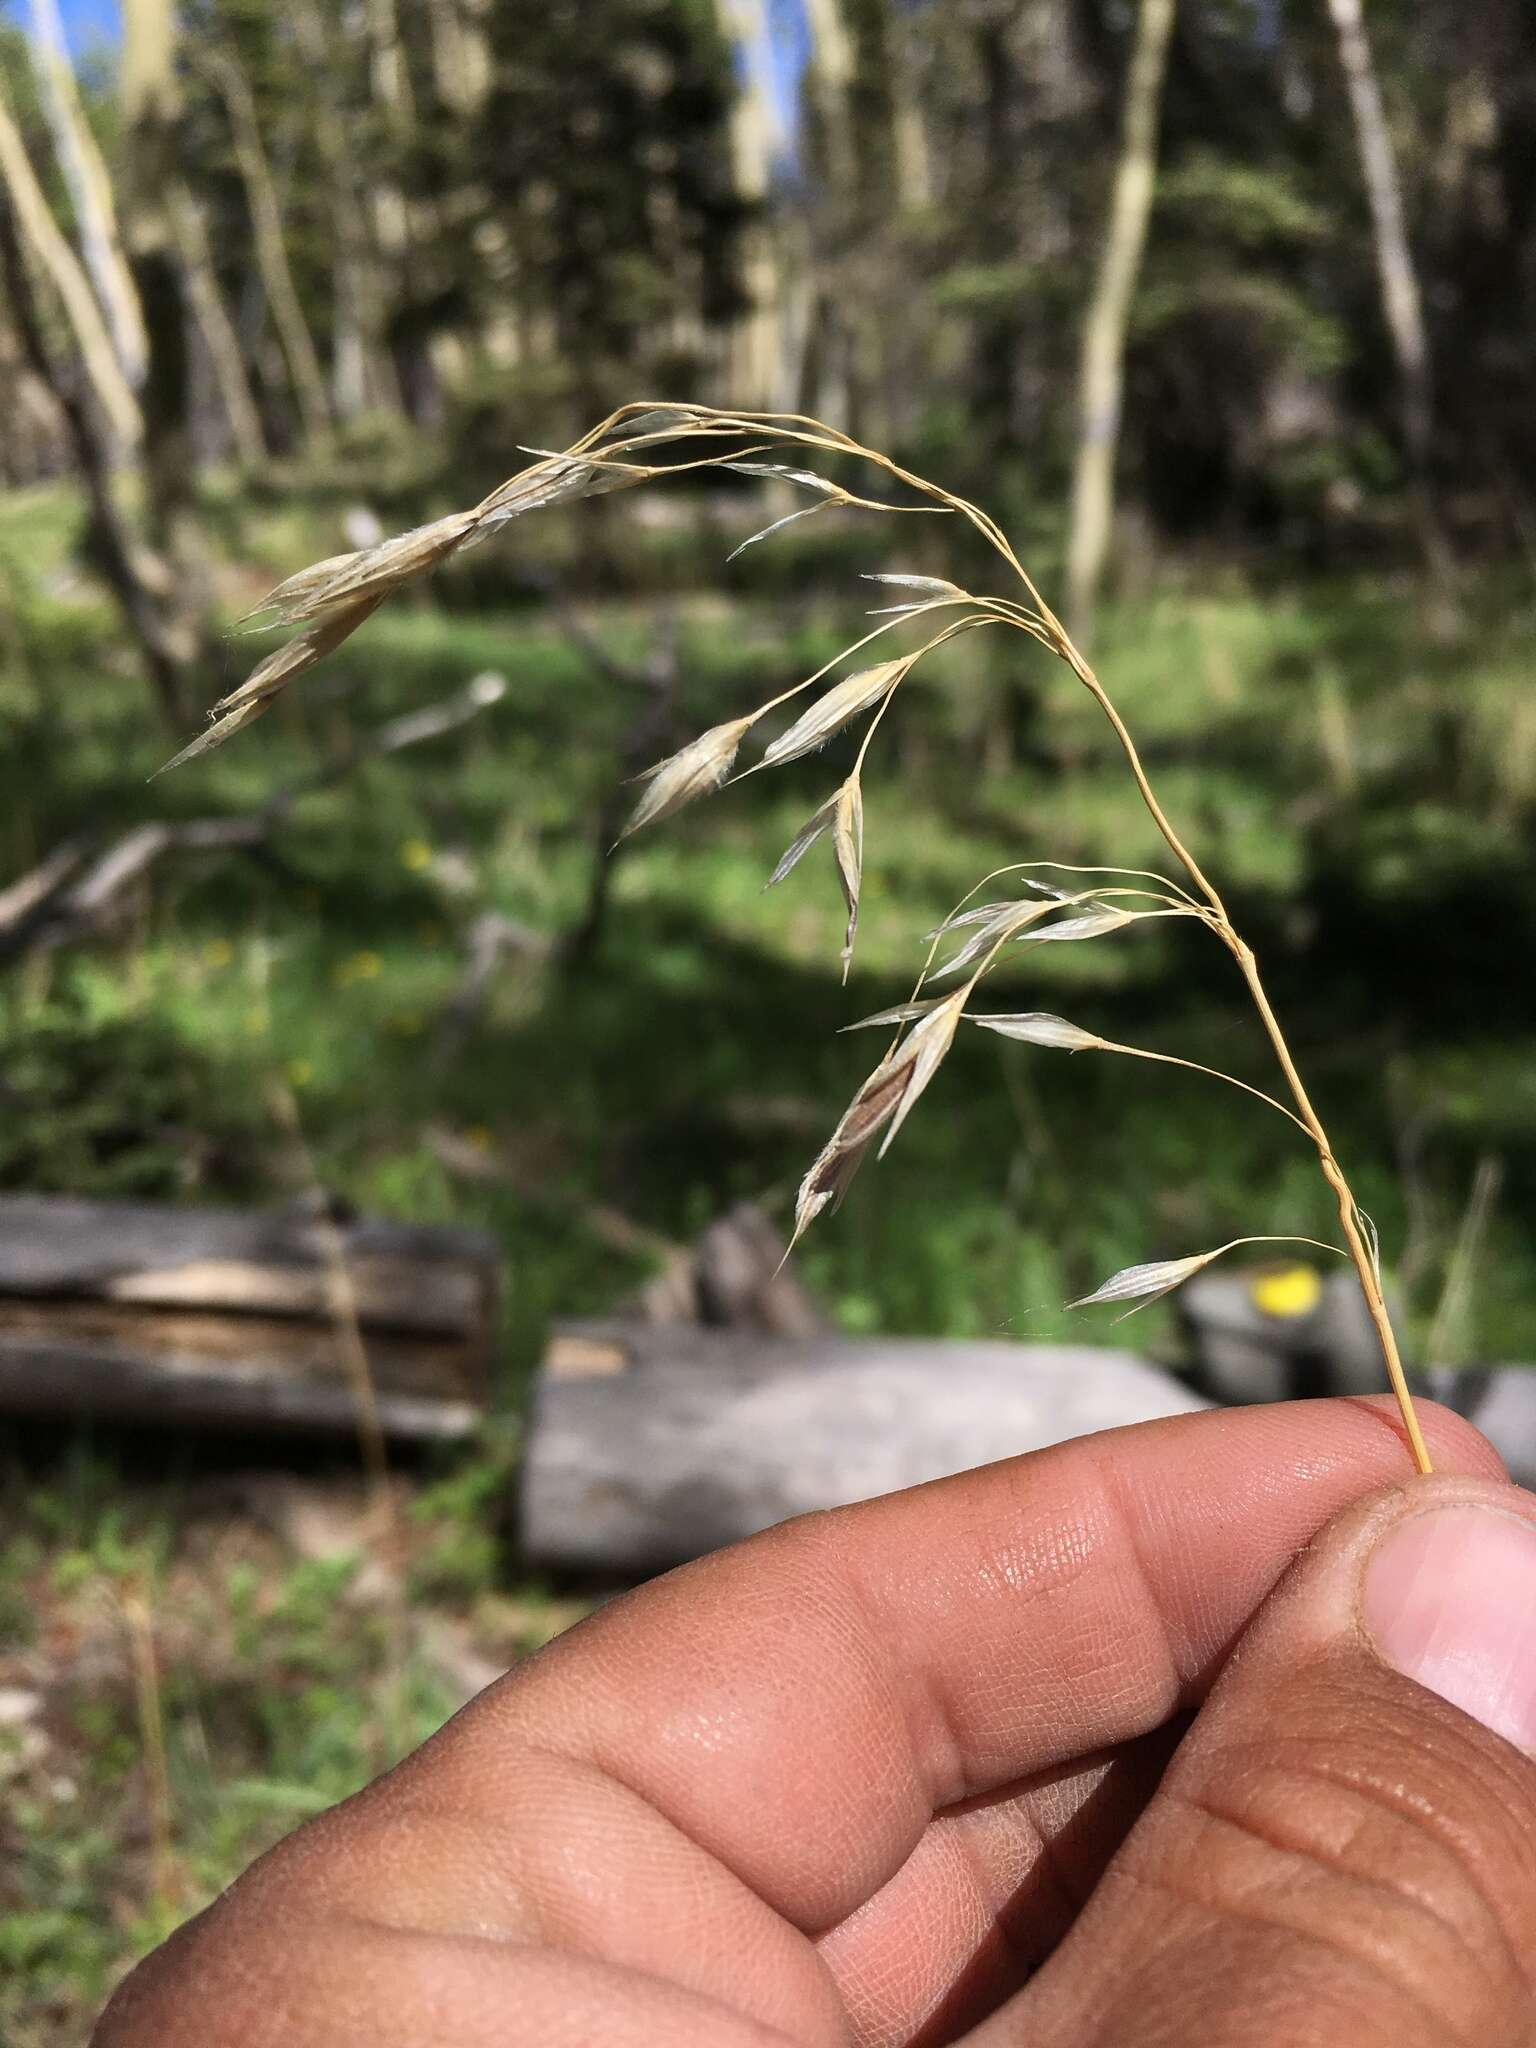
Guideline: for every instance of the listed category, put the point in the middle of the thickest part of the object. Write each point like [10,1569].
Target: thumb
[1344,1847]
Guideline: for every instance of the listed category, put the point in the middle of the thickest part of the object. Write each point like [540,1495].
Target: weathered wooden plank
[650,1445]
[176,1316]
[176,1342]
[403,1276]
[61,1375]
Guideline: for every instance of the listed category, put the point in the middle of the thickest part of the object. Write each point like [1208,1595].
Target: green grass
[141,1062]
[281,1683]
[1365,797]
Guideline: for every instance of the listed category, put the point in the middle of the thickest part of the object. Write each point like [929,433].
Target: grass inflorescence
[331,599]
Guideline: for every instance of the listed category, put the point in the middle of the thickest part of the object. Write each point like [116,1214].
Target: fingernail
[1450,1598]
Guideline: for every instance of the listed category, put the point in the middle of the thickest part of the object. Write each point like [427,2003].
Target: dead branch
[72,893]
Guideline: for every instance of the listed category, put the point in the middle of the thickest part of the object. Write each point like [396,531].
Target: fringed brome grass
[1051,904]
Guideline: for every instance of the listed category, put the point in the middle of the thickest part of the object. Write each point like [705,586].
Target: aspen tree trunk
[304,372]
[391,87]
[361,374]
[754,377]
[400,228]
[137,580]
[909,127]
[90,191]
[476,53]
[1101,363]
[830,359]
[462,79]
[1402,305]
[151,104]
[30,433]
[109,386]
[831,66]
[451,63]
[217,329]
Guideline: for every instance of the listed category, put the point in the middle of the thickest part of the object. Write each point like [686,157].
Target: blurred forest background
[1222,307]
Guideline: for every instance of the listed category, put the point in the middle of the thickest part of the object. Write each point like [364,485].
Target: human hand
[900,1774]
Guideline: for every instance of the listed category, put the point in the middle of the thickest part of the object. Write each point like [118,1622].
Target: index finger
[801,1705]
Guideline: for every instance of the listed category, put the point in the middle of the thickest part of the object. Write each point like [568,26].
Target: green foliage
[98,1095]
[143,1067]
[1239,204]
[604,150]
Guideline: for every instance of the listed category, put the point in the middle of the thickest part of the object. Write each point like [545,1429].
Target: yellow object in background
[1287,1291]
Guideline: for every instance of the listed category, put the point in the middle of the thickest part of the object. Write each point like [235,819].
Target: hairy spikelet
[830,713]
[843,816]
[1145,1284]
[243,706]
[693,772]
[1038,1027]
[848,849]
[883,1104]
[816,826]
[290,601]
[374,572]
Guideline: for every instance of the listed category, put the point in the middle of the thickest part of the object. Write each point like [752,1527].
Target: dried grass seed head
[1145,1284]
[843,816]
[861,691]
[848,850]
[692,772]
[1039,1027]
[883,1103]
[815,827]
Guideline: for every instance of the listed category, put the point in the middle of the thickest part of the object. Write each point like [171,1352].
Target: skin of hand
[1213,1730]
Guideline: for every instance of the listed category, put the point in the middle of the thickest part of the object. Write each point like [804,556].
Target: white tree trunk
[90,191]
[216,327]
[831,68]
[756,351]
[47,243]
[1101,374]
[1402,305]
[305,374]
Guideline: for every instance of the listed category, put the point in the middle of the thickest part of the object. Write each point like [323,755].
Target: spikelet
[692,772]
[216,734]
[928,586]
[831,712]
[375,572]
[1143,1285]
[884,1102]
[848,850]
[815,826]
[244,706]
[1026,921]
[1039,1027]
[930,590]
[843,816]
[900,1013]
[556,480]
[290,601]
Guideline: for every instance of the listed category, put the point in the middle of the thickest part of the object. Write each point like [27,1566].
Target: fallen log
[222,1318]
[650,1445]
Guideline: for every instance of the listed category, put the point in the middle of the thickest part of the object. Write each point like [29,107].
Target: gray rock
[1501,1402]
[667,1443]
[1242,1354]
